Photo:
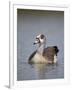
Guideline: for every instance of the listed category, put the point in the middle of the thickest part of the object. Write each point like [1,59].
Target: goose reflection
[41,70]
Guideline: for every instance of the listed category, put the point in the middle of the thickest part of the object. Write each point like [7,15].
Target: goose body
[42,54]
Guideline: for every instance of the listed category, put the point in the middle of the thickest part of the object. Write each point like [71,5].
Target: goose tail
[56,50]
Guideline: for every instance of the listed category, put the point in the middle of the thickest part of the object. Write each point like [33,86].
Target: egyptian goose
[43,54]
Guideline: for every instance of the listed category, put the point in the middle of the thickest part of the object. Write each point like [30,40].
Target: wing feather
[49,52]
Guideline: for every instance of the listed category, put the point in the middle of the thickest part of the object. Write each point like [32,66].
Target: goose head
[40,39]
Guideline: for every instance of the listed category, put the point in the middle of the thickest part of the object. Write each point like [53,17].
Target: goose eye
[42,36]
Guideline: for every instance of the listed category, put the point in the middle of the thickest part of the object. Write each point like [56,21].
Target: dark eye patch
[42,36]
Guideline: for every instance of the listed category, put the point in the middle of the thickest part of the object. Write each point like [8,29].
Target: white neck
[41,48]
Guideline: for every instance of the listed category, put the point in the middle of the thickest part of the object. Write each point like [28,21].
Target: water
[29,24]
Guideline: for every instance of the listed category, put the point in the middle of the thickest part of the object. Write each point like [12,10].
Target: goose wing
[49,52]
[32,55]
